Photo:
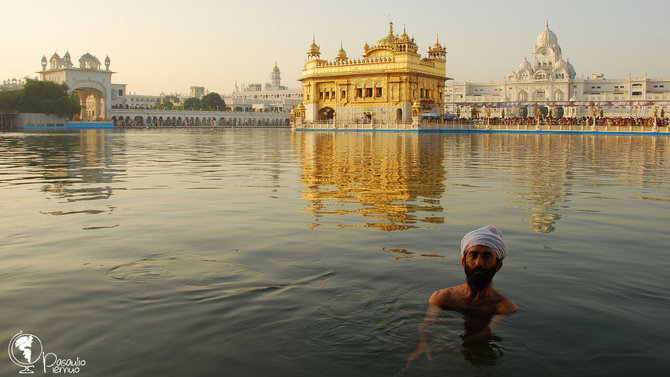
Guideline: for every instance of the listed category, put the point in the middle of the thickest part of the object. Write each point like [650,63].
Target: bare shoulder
[506,306]
[444,297]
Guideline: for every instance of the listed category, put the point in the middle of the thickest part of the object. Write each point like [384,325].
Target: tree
[164,104]
[9,100]
[212,101]
[192,104]
[41,97]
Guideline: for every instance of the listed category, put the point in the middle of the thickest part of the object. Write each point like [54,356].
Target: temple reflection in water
[75,168]
[399,181]
[393,180]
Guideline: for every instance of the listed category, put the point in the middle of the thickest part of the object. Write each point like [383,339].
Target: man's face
[480,264]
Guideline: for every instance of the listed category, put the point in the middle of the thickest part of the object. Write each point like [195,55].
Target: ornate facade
[549,86]
[380,88]
[91,82]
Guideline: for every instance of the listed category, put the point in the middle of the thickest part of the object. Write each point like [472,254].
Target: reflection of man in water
[482,252]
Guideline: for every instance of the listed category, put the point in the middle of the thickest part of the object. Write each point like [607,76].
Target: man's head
[482,253]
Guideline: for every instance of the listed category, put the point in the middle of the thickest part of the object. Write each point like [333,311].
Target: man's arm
[425,331]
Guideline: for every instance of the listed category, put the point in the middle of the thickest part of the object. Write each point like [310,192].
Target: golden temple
[390,84]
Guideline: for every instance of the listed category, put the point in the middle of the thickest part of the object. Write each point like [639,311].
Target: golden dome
[404,37]
[389,40]
[341,55]
[314,50]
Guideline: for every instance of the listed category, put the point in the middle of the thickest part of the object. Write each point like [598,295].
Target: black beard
[479,281]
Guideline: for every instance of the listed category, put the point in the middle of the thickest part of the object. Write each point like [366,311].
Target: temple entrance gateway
[91,81]
[326,113]
[92,104]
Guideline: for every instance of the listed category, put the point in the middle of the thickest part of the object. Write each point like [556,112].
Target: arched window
[558,95]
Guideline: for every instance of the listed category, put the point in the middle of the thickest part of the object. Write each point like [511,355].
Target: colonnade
[230,120]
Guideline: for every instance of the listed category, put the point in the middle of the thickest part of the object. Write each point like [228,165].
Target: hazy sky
[168,46]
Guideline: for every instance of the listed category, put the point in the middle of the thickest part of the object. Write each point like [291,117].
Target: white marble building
[91,82]
[269,97]
[549,86]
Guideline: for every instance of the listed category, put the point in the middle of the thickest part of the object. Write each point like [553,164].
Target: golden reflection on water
[393,180]
[385,181]
[397,180]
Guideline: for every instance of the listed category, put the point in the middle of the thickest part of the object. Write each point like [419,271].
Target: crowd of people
[565,121]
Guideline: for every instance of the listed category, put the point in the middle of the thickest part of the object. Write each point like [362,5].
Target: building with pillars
[385,86]
[550,87]
[90,81]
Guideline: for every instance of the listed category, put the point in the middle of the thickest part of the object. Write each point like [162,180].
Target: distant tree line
[211,101]
[41,97]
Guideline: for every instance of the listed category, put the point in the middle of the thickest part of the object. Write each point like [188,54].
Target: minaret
[341,55]
[437,51]
[275,77]
[314,51]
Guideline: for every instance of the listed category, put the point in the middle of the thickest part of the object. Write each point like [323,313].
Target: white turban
[486,236]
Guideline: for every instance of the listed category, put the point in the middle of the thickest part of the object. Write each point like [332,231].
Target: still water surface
[265,252]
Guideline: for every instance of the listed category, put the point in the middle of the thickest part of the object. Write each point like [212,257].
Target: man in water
[482,253]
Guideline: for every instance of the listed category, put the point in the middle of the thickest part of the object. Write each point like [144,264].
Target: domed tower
[547,51]
[341,55]
[67,62]
[54,62]
[314,51]
[44,63]
[404,44]
[88,61]
[107,63]
[275,77]
[437,51]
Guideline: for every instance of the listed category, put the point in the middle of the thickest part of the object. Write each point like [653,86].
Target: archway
[559,112]
[523,96]
[92,103]
[523,112]
[558,95]
[398,115]
[326,113]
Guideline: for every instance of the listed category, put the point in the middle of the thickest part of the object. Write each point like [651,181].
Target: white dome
[89,61]
[524,64]
[547,38]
